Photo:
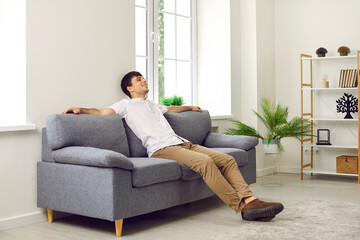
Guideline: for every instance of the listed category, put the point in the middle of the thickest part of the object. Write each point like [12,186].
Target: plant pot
[272,147]
[343,53]
[321,54]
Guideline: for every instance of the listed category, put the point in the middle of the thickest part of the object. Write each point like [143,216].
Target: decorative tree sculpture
[347,103]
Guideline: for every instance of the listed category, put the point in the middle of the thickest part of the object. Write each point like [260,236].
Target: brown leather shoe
[258,210]
[263,219]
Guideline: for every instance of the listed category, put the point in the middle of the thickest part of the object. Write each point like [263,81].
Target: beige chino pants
[219,171]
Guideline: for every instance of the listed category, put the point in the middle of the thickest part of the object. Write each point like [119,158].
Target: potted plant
[275,120]
[172,101]
[343,50]
[321,52]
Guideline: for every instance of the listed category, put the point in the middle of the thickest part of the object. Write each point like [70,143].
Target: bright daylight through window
[165,47]
[12,62]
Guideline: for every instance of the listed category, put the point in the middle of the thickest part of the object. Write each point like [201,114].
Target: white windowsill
[222,117]
[20,127]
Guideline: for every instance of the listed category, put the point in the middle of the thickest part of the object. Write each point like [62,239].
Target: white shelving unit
[334,121]
[334,146]
[326,171]
[326,58]
[329,89]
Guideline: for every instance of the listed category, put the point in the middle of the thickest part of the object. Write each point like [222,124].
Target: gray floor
[199,220]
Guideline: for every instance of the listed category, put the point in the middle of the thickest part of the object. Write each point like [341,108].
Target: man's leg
[203,164]
[254,210]
[229,169]
[251,207]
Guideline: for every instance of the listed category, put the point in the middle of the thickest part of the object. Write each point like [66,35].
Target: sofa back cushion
[104,132]
[46,151]
[194,126]
[135,145]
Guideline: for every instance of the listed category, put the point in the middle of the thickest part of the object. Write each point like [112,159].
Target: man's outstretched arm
[94,111]
[178,109]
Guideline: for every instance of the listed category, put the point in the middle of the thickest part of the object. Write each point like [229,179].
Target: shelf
[331,57]
[311,90]
[334,119]
[326,171]
[329,89]
[333,146]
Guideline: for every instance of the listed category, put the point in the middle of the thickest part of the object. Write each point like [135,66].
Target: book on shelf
[348,78]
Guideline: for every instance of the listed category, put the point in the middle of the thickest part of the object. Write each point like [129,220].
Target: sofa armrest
[90,156]
[216,140]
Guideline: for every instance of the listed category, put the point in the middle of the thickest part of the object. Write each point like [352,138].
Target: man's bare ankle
[249,199]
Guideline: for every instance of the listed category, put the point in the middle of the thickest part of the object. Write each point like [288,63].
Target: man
[219,170]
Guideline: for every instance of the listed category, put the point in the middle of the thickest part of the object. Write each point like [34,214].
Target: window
[142,38]
[165,47]
[12,62]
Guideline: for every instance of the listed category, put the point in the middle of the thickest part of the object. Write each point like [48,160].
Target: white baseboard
[27,219]
[270,170]
[290,170]
[265,171]
[22,220]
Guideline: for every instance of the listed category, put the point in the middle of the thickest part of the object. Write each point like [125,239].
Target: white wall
[213,43]
[252,56]
[252,64]
[243,64]
[248,62]
[302,27]
[265,50]
[77,52]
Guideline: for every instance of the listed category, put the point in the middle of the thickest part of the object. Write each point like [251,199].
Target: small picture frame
[323,137]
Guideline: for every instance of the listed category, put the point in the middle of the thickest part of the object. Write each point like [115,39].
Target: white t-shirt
[145,118]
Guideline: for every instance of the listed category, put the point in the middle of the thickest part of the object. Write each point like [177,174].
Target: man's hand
[179,109]
[72,110]
[94,111]
[196,108]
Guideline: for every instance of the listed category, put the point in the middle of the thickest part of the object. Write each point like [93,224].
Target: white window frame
[149,47]
[152,50]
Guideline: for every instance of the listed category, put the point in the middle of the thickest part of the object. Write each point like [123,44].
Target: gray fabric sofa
[95,166]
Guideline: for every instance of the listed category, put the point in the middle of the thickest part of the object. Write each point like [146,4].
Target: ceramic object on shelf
[343,51]
[321,52]
[325,82]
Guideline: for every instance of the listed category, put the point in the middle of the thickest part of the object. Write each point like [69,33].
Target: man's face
[139,86]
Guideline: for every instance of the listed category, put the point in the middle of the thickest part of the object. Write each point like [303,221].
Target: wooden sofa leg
[118,227]
[50,215]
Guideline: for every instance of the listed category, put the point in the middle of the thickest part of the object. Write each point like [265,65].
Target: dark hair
[126,81]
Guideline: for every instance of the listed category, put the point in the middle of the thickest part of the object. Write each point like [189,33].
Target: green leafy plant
[172,101]
[275,120]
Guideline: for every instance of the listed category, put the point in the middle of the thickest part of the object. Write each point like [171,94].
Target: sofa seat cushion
[148,171]
[89,156]
[217,140]
[188,174]
[241,158]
